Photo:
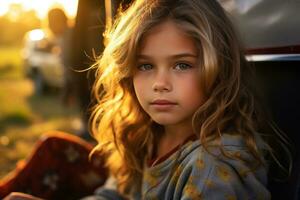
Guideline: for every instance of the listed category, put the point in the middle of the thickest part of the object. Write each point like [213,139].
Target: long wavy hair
[124,131]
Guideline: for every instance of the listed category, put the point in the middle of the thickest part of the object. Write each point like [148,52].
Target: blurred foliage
[10,63]
[15,23]
[24,116]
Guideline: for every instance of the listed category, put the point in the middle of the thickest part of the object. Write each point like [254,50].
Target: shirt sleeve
[213,178]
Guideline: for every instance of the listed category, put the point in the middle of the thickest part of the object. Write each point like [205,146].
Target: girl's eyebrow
[181,55]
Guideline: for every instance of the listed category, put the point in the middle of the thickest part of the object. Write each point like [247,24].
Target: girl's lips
[162,102]
[162,105]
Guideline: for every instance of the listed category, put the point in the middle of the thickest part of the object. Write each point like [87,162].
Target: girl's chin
[165,122]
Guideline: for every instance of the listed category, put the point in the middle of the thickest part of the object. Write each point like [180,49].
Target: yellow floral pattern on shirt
[200,164]
[209,183]
[223,173]
[151,178]
[198,175]
[191,191]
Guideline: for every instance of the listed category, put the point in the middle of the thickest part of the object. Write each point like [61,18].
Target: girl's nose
[162,82]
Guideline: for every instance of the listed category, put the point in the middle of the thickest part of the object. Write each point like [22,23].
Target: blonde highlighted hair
[124,131]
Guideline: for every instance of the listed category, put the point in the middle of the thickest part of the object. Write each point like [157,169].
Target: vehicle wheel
[39,84]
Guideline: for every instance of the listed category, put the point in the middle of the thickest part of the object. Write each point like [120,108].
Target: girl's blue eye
[182,66]
[145,67]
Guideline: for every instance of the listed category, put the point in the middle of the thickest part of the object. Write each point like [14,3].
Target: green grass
[10,62]
[24,117]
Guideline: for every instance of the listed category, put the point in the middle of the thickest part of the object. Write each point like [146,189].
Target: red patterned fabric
[59,168]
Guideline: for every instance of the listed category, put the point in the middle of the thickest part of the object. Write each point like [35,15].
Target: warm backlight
[41,7]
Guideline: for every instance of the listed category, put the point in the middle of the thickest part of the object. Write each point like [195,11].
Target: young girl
[175,113]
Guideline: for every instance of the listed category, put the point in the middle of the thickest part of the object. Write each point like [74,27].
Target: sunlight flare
[41,7]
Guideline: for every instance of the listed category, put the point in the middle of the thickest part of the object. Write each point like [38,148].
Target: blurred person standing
[80,45]
[62,33]
[72,42]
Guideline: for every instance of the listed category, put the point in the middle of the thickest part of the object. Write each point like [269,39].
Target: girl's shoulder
[213,149]
[232,154]
[215,167]
[207,172]
[233,151]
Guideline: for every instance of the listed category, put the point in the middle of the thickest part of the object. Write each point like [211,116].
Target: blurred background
[46,48]
[32,78]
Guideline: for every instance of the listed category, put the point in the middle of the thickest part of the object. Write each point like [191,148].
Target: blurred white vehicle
[42,61]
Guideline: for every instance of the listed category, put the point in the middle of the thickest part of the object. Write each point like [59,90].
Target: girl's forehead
[165,25]
[166,36]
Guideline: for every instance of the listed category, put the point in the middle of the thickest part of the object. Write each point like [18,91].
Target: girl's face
[166,80]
